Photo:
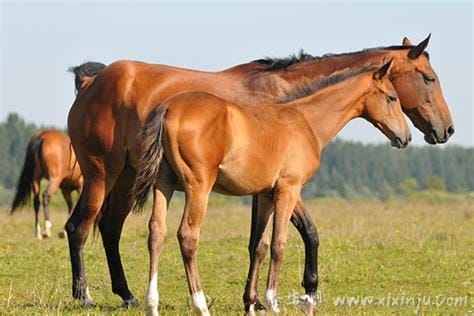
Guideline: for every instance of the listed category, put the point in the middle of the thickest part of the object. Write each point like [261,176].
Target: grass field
[397,257]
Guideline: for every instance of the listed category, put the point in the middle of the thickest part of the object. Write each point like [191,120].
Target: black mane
[307,88]
[276,64]
[88,69]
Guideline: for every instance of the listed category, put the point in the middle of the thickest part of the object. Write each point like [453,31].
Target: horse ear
[416,51]
[382,71]
[406,42]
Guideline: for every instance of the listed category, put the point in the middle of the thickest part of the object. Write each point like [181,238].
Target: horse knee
[277,250]
[261,249]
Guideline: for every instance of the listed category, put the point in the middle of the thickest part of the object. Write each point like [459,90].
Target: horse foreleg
[36,206]
[285,198]
[306,228]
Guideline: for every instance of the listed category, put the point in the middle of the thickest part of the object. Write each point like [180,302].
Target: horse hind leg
[53,185]
[197,195]
[258,246]
[113,214]
[305,226]
[157,226]
[36,206]
[78,226]
[66,192]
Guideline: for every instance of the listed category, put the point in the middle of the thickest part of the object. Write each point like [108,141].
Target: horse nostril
[450,130]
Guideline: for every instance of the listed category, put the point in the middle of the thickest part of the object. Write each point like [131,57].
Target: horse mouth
[432,138]
[397,142]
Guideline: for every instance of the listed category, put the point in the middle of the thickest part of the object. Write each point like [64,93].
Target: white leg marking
[47,228]
[38,232]
[308,303]
[251,310]
[152,295]
[199,303]
[272,301]
[88,301]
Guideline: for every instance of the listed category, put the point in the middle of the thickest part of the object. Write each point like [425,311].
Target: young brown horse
[49,155]
[198,143]
[105,119]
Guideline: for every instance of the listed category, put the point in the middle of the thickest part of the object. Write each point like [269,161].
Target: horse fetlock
[131,302]
[81,292]
[47,229]
[84,297]
[152,312]
[151,305]
[152,299]
[310,282]
[199,304]
[255,307]
[308,303]
[38,233]
[272,301]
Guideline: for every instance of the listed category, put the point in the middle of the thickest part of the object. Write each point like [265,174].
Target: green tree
[409,186]
[435,183]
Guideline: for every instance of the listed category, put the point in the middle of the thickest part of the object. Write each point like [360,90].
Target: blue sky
[40,40]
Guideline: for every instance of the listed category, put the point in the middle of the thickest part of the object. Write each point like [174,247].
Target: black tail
[151,138]
[89,69]
[23,188]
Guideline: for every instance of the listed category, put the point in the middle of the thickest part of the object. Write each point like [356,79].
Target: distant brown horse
[106,116]
[49,155]
[198,143]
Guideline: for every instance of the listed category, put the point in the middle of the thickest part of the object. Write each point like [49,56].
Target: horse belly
[244,179]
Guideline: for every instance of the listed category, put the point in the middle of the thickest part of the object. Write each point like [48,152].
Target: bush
[435,183]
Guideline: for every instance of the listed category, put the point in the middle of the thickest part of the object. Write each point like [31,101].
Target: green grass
[397,250]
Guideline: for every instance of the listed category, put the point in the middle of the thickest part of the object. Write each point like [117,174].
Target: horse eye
[391,98]
[429,80]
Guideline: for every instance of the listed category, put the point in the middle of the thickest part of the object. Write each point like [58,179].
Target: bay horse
[197,143]
[106,116]
[49,155]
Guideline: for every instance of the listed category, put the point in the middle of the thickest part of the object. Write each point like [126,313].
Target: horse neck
[330,109]
[277,84]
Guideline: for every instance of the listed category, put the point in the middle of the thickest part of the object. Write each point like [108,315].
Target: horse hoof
[88,302]
[132,302]
[62,234]
[256,308]
[259,307]
[307,304]
[46,235]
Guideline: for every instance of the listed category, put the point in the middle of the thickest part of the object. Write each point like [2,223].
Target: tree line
[348,169]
